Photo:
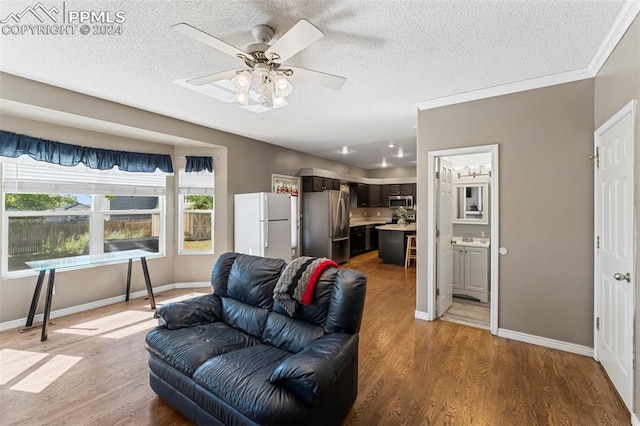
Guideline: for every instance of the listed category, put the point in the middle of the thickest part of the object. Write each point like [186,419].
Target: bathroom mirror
[471,203]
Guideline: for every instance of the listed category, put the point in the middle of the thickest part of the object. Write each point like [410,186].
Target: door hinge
[437,292]
[437,175]
[598,242]
[437,232]
[598,323]
[596,157]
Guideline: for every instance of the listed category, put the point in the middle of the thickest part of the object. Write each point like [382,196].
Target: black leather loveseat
[235,357]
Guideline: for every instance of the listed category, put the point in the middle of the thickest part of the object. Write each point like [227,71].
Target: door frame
[629,108]
[431,226]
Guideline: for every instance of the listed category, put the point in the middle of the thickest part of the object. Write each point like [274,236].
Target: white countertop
[477,242]
[405,228]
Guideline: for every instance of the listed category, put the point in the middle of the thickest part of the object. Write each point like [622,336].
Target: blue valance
[14,145]
[198,164]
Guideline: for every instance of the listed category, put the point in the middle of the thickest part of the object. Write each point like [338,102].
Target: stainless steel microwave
[397,201]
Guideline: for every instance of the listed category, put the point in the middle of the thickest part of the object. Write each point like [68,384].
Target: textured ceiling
[394,55]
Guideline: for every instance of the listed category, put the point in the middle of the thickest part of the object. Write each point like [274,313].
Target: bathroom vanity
[471,267]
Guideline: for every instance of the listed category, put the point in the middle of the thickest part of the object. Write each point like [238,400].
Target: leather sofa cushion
[252,280]
[241,379]
[316,312]
[185,349]
[289,334]
[243,316]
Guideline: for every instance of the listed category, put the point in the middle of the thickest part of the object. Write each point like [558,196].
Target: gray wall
[617,83]
[546,202]
[243,165]
[396,172]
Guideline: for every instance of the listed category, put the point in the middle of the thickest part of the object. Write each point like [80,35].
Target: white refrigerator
[262,225]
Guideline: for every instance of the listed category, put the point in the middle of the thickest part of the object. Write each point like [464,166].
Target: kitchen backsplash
[370,213]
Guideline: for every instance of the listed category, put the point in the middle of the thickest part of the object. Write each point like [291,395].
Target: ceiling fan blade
[297,38]
[199,81]
[318,78]
[205,38]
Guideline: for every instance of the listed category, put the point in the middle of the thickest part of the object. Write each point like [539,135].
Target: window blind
[25,175]
[202,183]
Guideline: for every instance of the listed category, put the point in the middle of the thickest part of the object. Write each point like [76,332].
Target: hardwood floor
[412,372]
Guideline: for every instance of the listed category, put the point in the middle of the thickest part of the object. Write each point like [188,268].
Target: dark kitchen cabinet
[384,195]
[374,196]
[357,240]
[319,184]
[402,189]
[332,184]
[408,189]
[359,195]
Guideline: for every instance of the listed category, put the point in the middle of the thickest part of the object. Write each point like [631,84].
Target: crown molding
[625,18]
[623,21]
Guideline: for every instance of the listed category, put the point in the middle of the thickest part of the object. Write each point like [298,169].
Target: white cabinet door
[458,268]
[477,269]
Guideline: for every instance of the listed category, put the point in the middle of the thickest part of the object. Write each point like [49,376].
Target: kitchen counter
[367,222]
[392,242]
[394,227]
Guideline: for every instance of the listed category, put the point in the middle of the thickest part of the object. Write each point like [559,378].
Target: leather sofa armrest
[199,310]
[314,370]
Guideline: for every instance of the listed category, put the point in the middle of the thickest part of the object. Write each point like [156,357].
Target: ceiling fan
[265,70]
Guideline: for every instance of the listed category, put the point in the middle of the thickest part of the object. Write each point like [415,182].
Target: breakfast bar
[392,244]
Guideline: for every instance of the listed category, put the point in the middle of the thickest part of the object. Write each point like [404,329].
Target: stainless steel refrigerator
[325,225]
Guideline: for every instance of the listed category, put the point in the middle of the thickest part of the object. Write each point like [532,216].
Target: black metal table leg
[47,305]
[147,281]
[129,279]
[36,297]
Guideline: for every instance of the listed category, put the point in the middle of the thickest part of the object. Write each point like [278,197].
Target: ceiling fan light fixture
[242,81]
[278,101]
[282,85]
[242,97]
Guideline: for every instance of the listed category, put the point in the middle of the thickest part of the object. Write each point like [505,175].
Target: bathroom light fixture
[400,153]
[384,162]
[481,171]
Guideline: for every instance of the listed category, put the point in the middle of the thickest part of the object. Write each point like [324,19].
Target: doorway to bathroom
[463,222]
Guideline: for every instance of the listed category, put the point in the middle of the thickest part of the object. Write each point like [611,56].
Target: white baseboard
[546,342]
[634,420]
[198,284]
[421,315]
[99,304]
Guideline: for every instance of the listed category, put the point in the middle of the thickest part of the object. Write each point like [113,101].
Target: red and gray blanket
[298,281]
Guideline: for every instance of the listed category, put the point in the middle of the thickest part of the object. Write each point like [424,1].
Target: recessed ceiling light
[400,153]
[392,145]
[345,150]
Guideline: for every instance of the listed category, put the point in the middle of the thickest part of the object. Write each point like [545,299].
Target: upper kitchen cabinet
[359,195]
[471,202]
[375,196]
[319,184]
[384,195]
[402,189]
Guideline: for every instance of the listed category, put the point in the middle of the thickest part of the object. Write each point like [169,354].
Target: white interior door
[614,257]
[444,269]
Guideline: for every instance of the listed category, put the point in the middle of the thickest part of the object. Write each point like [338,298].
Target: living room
[244,164]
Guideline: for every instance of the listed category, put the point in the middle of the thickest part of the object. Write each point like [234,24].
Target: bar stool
[411,250]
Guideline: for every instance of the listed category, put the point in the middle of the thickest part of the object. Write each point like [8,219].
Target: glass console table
[42,266]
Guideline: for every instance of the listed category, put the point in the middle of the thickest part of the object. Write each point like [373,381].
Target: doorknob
[626,277]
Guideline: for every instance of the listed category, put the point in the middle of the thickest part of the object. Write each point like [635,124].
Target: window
[196,200]
[51,211]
